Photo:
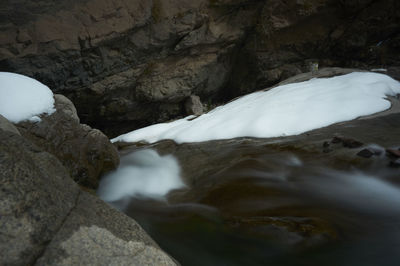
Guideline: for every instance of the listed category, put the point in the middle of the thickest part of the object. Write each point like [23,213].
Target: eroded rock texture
[290,35]
[45,219]
[87,153]
[126,64]
[123,63]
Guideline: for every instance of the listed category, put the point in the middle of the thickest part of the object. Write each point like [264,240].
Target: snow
[285,110]
[23,98]
[143,173]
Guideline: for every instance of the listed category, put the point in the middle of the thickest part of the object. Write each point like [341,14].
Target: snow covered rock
[23,98]
[285,110]
[87,153]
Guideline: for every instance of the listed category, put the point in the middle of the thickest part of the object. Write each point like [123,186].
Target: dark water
[280,208]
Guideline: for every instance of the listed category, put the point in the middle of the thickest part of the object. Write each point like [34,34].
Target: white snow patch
[23,98]
[285,110]
[143,173]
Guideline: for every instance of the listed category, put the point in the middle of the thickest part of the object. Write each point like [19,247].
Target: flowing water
[263,205]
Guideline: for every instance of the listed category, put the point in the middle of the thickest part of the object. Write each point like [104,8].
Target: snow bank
[23,98]
[285,110]
[143,173]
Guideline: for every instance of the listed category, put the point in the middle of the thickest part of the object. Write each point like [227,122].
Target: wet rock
[87,153]
[193,106]
[326,146]
[347,142]
[370,151]
[393,152]
[365,153]
[352,143]
[303,232]
[395,163]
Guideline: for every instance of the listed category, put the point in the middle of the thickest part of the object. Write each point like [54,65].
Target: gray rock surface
[193,105]
[95,235]
[45,219]
[36,195]
[7,125]
[87,153]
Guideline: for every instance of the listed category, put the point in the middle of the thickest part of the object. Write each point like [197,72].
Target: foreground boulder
[45,219]
[85,152]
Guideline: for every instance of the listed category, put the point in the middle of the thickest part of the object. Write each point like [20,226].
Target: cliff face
[289,35]
[126,64]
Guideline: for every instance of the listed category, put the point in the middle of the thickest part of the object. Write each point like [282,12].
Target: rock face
[126,64]
[87,153]
[45,219]
[289,35]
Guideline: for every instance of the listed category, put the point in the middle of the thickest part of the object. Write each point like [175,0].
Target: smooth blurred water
[278,208]
[141,174]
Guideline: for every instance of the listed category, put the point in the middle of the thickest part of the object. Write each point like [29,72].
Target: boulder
[87,153]
[37,195]
[193,106]
[6,125]
[45,219]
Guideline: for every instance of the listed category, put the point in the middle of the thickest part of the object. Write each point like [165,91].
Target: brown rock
[393,152]
[85,152]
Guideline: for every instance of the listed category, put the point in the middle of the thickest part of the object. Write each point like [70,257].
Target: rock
[6,125]
[395,163]
[121,62]
[370,151]
[365,153]
[85,152]
[351,143]
[96,234]
[45,219]
[193,106]
[37,195]
[393,152]
[297,32]
[128,64]
[347,142]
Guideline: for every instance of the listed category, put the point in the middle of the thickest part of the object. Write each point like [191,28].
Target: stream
[302,200]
